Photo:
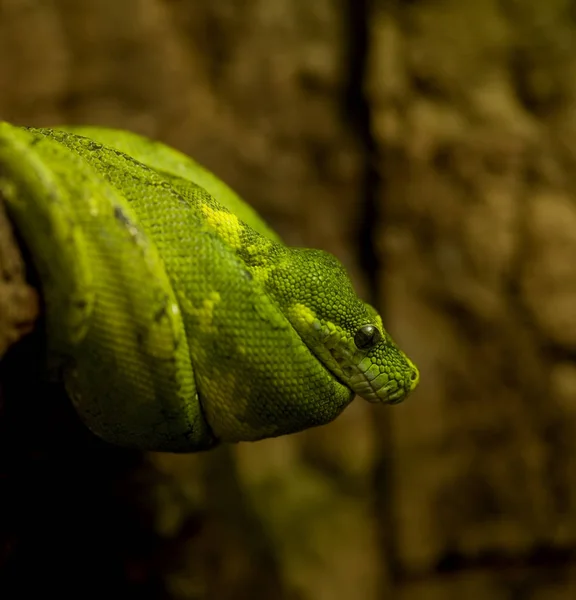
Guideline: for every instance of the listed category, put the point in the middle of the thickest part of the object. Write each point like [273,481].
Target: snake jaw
[372,382]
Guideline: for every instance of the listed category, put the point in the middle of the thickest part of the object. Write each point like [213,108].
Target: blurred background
[430,145]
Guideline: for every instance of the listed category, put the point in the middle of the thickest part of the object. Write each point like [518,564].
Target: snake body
[177,318]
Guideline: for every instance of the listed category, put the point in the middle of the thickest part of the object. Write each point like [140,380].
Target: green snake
[176,317]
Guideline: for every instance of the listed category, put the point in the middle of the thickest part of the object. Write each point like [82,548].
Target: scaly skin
[177,318]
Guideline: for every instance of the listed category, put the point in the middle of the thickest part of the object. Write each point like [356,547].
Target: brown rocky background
[431,145]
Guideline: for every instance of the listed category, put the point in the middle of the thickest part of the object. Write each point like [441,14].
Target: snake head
[343,332]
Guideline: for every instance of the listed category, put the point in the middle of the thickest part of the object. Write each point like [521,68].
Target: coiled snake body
[178,319]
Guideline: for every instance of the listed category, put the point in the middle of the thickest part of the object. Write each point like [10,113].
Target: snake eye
[367,336]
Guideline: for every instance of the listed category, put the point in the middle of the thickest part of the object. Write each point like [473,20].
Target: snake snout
[413,379]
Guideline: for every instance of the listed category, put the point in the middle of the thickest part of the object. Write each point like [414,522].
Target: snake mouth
[376,381]
[389,393]
[381,389]
[397,396]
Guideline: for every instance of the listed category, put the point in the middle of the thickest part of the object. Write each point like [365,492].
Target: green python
[177,318]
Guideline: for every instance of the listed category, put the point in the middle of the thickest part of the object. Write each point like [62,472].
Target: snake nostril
[414,376]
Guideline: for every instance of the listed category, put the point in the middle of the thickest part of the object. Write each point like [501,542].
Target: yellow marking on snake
[304,314]
[261,273]
[225,223]
[205,312]
[260,251]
